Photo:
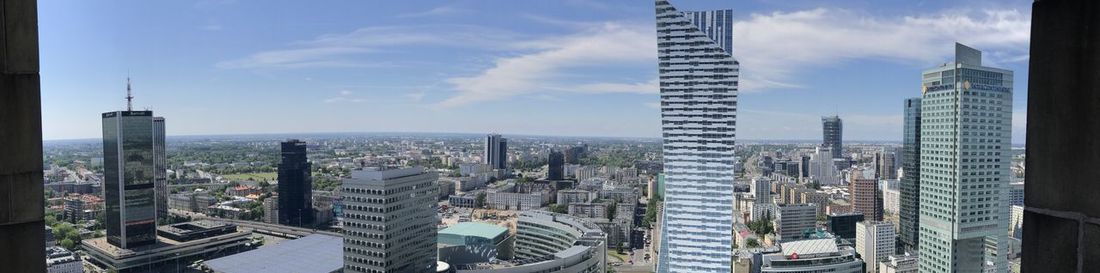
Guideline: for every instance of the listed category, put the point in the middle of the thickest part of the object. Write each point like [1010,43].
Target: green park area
[269,176]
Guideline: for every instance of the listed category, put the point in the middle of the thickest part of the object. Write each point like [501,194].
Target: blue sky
[574,68]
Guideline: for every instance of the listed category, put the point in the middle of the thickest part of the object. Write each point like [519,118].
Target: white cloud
[345,96]
[542,70]
[773,47]
[415,96]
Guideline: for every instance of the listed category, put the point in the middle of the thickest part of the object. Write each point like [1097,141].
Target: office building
[886,165]
[196,201]
[129,188]
[866,197]
[314,253]
[555,169]
[843,225]
[699,78]
[160,170]
[574,154]
[815,255]
[874,242]
[61,260]
[898,264]
[295,185]
[1016,194]
[909,195]
[496,152]
[794,221]
[390,221]
[551,242]
[966,127]
[832,131]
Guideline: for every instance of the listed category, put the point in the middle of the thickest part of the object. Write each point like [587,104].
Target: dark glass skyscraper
[496,151]
[295,185]
[909,199]
[555,166]
[129,178]
[832,130]
[160,172]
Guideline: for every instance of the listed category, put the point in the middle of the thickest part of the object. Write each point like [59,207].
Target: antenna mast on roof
[129,96]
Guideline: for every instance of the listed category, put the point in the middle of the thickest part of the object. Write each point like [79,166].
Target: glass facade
[295,185]
[909,198]
[128,176]
[966,121]
[698,82]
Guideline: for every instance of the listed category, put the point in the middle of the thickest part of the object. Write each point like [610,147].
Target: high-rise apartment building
[699,77]
[966,126]
[866,197]
[160,170]
[832,131]
[909,198]
[496,151]
[555,166]
[875,242]
[390,221]
[295,185]
[129,179]
[762,190]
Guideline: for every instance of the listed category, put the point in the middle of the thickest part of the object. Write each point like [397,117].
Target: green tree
[68,244]
[611,208]
[752,243]
[480,201]
[559,208]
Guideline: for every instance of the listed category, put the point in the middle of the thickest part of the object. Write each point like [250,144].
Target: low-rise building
[551,242]
[314,253]
[815,255]
[898,264]
[61,260]
[566,197]
[201,240]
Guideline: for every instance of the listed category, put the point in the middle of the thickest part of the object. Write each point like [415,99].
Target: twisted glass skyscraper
[698,77]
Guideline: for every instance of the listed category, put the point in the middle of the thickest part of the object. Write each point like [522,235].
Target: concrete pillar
[1062,215]
[22,246]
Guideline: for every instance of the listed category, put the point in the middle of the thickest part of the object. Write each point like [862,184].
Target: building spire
[129,96]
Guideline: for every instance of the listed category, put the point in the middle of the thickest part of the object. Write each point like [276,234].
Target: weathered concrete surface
[22,246]
[1063,139]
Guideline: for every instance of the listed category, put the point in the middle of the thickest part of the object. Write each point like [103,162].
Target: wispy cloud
[542,70]
[352,49]
[437,11]
[345,96]
[773,48]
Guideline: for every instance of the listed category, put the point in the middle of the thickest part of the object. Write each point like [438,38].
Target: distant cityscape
[947,196]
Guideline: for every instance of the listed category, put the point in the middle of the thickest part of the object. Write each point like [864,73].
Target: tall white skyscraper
[699,78]
[875,242]
[966,126]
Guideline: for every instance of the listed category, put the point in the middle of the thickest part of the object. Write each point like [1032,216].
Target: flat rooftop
[475,229]
[313,253]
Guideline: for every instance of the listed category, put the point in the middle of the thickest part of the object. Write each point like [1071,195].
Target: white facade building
[698,82]
[875,242]
[898,264]
[60,260]
[817,255]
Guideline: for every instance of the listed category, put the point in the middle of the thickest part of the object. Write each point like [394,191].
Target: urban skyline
[826,84]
